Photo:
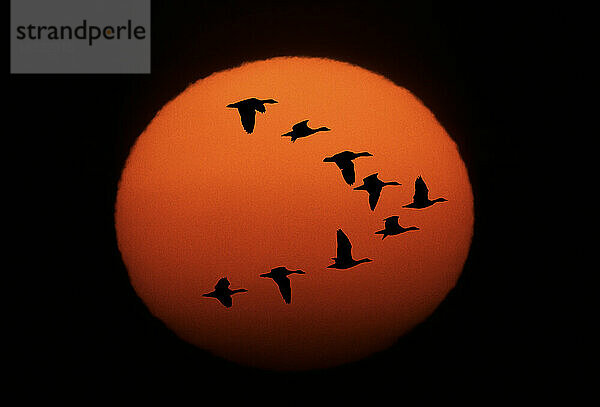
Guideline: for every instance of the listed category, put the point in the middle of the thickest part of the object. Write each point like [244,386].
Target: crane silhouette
[391,227]
[247,109]
[280,276]
[344,259]
[301,129]
[373,185]
[223,293]
[344,162]
[421,197]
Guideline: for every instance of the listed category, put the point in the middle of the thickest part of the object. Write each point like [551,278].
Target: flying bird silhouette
[373,186]
[344,258]
[421,197]
[223,293]
[393,228]
[344,162]
[280,276]
[301,129]
[247,109]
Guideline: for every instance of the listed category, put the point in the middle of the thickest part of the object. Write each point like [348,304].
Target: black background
[80,328]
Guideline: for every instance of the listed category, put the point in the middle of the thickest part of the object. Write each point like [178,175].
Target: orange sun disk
[200,199]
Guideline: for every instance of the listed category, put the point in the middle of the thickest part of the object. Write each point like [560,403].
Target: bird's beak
[300,272]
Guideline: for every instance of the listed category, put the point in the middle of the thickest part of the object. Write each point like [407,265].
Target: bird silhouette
[247,109]
[373,186]
[344,162]
[421,197]
[301,129]
[344,258]
[393,228]
[280,276]
[223,293]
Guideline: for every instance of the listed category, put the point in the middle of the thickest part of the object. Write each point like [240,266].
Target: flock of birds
[344,160]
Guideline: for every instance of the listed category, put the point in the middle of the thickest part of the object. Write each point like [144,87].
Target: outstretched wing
[285,289]
[391,222]
[302,125]
[347,168]
[344,248]
[222,284]
[421,191]
[374,197]
[248,116]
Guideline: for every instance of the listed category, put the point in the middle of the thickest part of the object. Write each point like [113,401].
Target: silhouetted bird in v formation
[247,109]
[344,162]
[301,129]
[421,197]
[223,293]
[280,276]
[373,186]
[344,259]
[393,228]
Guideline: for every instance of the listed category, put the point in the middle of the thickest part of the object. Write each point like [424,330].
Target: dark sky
[78,320]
